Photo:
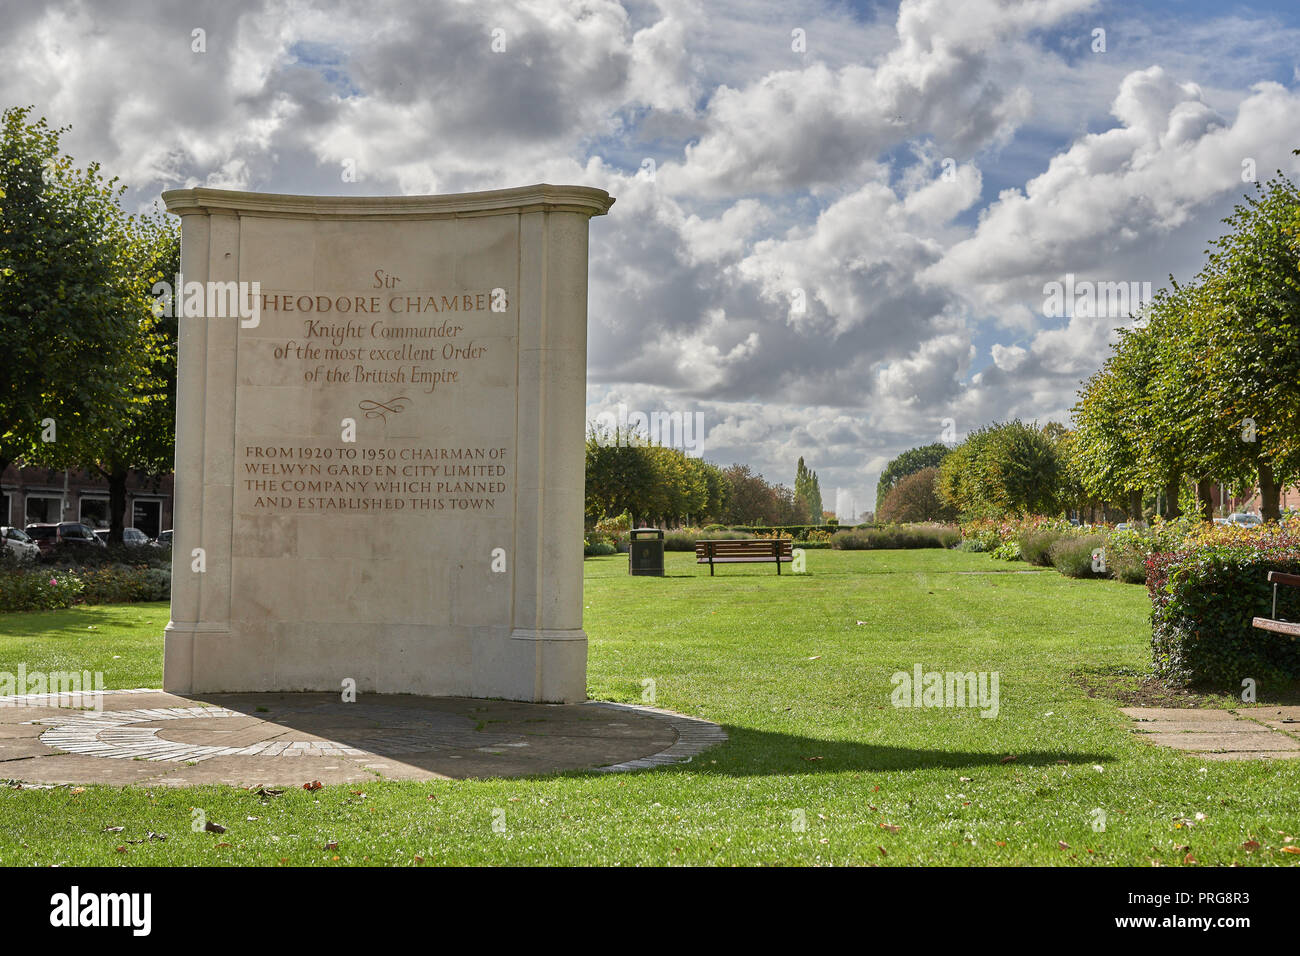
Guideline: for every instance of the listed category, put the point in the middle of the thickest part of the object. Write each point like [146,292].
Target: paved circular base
[150,737]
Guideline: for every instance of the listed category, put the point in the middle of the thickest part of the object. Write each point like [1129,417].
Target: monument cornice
[542,197]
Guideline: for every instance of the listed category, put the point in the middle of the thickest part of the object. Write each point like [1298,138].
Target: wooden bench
[1275,623]
[744,551]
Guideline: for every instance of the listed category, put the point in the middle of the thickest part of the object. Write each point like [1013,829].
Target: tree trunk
[1172,510]
[1135,506]
[116,505]
[1270,494]
[1205,495]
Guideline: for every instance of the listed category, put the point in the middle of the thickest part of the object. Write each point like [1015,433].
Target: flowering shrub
[38,590]
[988,533]
[1204,596]
[1009,551]
[615,530]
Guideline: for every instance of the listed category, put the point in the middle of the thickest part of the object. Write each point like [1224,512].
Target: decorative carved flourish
[381,409]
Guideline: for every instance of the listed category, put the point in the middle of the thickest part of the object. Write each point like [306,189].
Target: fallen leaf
[1291,849]
[112,829]
[211,827]
[332,845]
[1189,859]
[882,851]
[1008,758]
[1062,844]
[78,789]
[891,827]
[1250,845]
[314,785]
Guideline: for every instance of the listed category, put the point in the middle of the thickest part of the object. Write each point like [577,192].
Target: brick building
[38,495]
[1226,504]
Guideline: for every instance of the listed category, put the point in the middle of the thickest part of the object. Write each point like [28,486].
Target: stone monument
[379,443]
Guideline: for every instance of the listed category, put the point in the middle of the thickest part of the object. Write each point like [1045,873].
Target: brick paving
[1248,733]
[149,737]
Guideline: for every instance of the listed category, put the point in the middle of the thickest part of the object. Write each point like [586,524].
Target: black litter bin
[645,553]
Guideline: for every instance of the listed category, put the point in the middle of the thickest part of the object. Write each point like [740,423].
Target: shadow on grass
[69,622]
[758,753]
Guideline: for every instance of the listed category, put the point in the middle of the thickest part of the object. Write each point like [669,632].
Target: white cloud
[821,171]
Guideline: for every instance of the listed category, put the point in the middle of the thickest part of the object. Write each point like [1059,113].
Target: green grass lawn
[797,668]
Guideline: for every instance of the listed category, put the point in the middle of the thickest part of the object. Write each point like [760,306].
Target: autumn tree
[908,463]
[914,498]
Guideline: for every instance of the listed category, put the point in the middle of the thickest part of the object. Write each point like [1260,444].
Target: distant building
[43,495]
[1226,504]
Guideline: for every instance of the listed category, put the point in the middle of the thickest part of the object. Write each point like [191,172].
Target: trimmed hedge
[797,531]
[597,546]
[1203,599]
[685,540]
[896,536]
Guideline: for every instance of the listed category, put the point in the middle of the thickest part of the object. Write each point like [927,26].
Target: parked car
[131,537]
[1222,521]
[70,534]
[165,537]
[17,541]
[1245,519]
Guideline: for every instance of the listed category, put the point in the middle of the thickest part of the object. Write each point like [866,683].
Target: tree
[808,488]
[626,472]
[752,500]
[717,491]
[69,299]
[619,474]
[914,498]
[145,437]
[1001,469]
[1113,425]
[1251,320]
[908,463]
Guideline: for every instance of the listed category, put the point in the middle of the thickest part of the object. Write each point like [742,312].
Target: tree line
[1203,390]
[656,485]
[89,377]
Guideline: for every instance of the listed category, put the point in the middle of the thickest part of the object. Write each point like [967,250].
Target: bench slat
[765,559]
[1281,577]
[744,551]
[1280,627]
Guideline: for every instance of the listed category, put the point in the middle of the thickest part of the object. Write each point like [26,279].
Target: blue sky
[777,170]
